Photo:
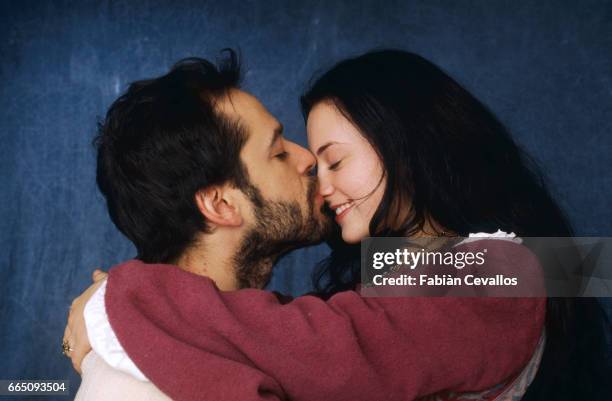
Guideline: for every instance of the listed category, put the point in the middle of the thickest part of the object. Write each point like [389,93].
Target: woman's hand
[75,334]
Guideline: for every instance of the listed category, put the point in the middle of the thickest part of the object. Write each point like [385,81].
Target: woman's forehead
[327,124]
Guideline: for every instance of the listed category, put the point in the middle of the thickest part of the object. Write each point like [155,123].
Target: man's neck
[211,256]
[217,256]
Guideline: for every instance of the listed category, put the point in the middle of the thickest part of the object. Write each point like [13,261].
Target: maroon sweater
[197,343]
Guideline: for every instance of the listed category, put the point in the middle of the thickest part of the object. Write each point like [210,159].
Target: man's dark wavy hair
[162,141]
[448,157]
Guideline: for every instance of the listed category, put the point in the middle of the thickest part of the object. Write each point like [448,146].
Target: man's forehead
[248,111]
[237,103]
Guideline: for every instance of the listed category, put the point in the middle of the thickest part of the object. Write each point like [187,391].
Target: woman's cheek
[352,184]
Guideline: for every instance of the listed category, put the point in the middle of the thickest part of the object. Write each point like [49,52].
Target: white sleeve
[499,234]
[103,339]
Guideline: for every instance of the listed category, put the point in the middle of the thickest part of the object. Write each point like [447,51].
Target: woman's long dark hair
[450,159]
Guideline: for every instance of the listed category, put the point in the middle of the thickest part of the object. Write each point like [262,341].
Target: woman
[403,150]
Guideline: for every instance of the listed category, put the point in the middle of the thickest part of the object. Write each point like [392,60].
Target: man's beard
[280,226]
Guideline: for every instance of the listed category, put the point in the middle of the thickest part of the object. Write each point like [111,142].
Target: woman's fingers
[76,331]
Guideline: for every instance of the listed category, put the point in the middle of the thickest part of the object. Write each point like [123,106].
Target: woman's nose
[325,187]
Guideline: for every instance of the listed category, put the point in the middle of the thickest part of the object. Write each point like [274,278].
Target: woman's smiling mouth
[342,209]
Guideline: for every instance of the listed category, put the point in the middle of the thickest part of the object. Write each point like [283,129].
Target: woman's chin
[352,236]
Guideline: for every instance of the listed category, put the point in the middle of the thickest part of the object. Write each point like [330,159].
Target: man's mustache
[313,188]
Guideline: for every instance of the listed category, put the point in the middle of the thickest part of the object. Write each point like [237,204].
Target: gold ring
[66,348]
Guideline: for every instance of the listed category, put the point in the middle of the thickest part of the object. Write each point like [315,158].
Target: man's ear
[219,205]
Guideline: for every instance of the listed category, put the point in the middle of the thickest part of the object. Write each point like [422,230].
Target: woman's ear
[219,206]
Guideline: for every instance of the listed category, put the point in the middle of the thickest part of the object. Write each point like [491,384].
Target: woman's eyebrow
[322,148]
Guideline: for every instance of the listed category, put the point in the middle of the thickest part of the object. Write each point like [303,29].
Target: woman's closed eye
[334,166]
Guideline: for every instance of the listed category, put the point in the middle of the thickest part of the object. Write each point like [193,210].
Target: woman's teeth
[343,207]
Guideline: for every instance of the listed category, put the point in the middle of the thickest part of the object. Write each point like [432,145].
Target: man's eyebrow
[278,132]
[322,148]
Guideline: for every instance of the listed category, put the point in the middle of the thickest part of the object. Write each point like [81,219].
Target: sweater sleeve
[191,339]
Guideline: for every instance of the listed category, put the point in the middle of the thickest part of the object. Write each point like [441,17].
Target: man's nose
[305,162]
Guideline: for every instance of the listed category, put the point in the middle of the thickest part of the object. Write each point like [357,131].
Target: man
[196,342]
[197,173]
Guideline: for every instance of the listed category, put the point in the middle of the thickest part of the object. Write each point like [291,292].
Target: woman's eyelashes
[334,166]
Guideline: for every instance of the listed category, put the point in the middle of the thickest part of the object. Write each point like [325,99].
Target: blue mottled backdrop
[545,67]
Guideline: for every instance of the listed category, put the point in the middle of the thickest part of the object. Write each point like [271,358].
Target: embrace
[198,176]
